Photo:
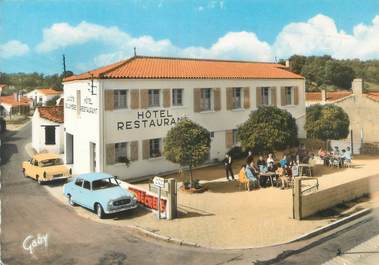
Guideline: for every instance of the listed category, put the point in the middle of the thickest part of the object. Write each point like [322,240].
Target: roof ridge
[198,59]
[118,64]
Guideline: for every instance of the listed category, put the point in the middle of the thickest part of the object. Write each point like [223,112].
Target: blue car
[99,192]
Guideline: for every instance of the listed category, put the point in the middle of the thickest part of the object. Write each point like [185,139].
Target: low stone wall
[325,199]
[370,148]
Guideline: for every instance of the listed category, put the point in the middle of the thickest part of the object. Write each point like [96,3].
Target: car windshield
[50,162]
[104,183]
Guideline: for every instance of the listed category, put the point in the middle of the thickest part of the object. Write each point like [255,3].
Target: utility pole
[135,51]
[64,65]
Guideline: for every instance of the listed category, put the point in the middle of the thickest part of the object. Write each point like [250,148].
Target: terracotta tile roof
[373,95]
[330,96]
[184,68]
[52,113]
[49,91]
[11,100]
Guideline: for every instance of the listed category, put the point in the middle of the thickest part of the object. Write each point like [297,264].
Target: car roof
[44,156]
[94,176]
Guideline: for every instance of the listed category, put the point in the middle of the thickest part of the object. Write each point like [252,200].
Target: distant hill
[325,72]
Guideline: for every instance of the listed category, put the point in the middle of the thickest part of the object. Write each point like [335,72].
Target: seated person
[251,175]
[283,162]
[295,170]
[270,162]
[249,157]
[346,156]
[321,153]
[261,161]
[282,178]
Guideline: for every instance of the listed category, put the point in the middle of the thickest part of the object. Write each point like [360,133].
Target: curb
[306,236]
[333,225]
[168,239]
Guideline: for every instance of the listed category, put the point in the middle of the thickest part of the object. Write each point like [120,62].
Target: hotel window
[121,152]
[154,98]
[120,99]
[237,97]
[205,99]
[177,97]
[265,96]
[155,148]
[288,93]
[235,139]
[49,135]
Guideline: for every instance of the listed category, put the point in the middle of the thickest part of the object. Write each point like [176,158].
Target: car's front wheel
[99,211]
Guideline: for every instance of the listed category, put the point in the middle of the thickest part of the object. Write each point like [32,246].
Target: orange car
[45,167]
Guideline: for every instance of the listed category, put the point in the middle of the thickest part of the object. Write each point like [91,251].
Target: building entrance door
[69,148]
[93,157]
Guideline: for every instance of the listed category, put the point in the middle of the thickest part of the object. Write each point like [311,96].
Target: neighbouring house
[42,95]
[48,129]
[124,110]
[14,105]
[362,108]
[2,87]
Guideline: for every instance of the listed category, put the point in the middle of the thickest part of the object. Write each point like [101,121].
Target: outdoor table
[270,175]
[302,166]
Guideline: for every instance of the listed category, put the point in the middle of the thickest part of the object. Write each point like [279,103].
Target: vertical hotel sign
[149,119]
[87,106]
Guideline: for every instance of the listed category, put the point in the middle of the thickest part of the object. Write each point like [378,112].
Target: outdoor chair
[347,163]
[243,180]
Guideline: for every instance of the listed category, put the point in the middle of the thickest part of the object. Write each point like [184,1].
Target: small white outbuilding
[48,129]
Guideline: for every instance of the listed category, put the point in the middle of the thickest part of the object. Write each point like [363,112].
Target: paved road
[28,210]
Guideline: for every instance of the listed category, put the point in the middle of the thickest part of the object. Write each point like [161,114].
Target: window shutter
[166,97]
[144,98]
[146,149]
[217,99]
[109,100]
[259,96]
[229,98]
[283,98]
[110,154]
[273,96]
[229,138]
[246,97]
[78,102]
[134,151]
[296,95]
[134,99]
[196,99]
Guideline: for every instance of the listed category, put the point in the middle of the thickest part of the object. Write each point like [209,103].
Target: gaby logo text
[31,242]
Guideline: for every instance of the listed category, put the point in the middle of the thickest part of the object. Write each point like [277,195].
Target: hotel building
[124,110]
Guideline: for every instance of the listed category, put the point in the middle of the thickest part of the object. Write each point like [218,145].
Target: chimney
[323,95]
[287,63]
[357,86]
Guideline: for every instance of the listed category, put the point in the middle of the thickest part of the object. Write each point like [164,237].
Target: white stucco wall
[38,135]
[217,122]
[85,127]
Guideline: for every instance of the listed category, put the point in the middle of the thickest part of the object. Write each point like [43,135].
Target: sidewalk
[227,217]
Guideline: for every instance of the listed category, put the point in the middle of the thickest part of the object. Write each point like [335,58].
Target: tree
[187,144]
[52,101]
[268,129]
[326,122]
[338,74]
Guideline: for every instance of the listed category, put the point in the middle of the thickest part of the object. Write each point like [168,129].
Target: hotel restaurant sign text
[149,119]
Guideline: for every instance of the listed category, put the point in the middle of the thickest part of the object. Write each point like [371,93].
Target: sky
[91,33]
